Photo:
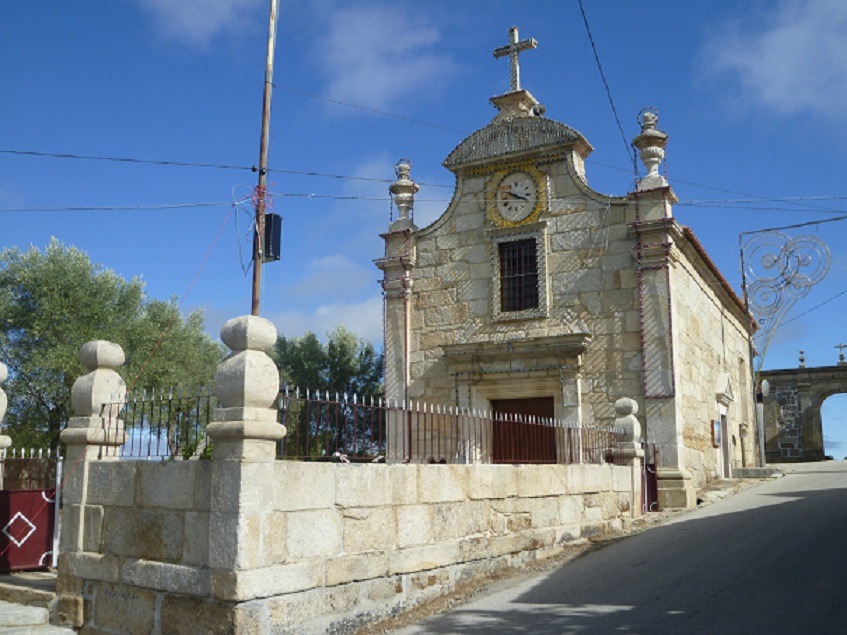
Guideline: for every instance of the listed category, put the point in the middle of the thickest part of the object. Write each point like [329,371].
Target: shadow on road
[775,568]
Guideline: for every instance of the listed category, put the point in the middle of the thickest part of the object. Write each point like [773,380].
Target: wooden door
[519,442]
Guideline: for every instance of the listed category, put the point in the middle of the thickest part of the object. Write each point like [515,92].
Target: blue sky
[753,96]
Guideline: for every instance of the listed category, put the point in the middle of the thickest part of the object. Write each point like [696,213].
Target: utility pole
[261,189]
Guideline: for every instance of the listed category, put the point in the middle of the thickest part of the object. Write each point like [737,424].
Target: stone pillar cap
[101,354]
[248,333]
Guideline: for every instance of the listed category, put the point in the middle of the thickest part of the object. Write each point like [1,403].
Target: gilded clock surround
[503,173]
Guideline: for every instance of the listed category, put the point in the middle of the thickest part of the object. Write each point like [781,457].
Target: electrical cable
[184,164]
[114,208]
[817,306]
[606,85]
[54,155]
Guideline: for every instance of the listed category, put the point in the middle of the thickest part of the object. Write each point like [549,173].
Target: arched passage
[834,421]
[792,411]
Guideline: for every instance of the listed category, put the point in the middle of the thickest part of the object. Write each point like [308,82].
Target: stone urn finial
[5,441]
[651,145]
[403,191]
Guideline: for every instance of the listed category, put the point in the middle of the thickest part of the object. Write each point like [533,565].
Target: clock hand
[513,195]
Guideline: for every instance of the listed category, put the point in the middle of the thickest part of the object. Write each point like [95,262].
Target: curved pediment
[513,136]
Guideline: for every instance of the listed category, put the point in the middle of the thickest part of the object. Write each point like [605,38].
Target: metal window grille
[518,275]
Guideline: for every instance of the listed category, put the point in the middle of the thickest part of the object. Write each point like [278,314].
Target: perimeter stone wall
[247,544]
[336,546]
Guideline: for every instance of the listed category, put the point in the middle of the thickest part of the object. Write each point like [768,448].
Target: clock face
[517,196]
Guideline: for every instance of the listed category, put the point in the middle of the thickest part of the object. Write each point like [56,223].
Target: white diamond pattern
[25,520]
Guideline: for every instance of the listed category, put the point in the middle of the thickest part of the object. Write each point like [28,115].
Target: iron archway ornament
[781,271]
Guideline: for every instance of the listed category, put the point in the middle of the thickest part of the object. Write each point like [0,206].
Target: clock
[517,196]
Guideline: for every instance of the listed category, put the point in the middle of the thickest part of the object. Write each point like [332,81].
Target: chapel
[532,293]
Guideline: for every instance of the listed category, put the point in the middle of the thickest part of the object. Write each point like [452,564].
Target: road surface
[770,559]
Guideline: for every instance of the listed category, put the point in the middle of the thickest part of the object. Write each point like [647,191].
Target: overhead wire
[89,157]
[114,208]
[626,143]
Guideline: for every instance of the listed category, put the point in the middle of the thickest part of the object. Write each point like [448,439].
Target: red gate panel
[26,534]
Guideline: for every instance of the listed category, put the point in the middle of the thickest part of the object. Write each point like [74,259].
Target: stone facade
[626,303]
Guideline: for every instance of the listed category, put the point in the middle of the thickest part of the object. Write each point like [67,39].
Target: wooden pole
[261,191]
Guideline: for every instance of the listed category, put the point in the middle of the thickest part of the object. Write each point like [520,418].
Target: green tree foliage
[55,300]
[345,364]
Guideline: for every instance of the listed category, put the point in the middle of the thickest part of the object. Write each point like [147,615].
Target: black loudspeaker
[273,234]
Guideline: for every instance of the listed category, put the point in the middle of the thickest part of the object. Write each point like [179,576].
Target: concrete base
[676,490]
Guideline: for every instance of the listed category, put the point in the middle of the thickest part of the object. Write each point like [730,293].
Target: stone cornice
[563,345]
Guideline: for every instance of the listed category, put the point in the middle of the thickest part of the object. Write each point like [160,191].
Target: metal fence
[325,427]
[29,469]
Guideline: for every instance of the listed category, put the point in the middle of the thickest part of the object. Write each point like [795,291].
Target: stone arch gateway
[792,411]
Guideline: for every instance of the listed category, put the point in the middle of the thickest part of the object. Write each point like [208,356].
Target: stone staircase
[24,598]
[19,619]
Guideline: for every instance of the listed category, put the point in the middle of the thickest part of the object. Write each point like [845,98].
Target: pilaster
[397,267]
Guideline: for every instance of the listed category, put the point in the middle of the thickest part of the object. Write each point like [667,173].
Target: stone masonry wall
[335,546]
[711,340]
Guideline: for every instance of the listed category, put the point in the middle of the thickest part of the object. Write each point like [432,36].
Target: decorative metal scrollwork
[782,270]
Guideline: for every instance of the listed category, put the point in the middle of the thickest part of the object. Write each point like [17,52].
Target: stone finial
[96,400]
[5,441]
[102,385]
[802,359]
[651,145]
[246,384]
[403,191]
[625,411]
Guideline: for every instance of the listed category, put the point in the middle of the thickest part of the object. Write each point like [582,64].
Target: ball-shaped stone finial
[248,332]
[101,354]
[626,406]
[626,409]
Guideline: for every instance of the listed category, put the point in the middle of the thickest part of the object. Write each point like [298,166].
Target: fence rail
[324,426]
[28,469]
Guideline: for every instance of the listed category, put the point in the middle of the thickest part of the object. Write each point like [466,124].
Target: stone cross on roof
[512,50]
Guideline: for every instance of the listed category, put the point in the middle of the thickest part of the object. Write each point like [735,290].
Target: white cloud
[333,276]
[374,55]
[793,61]
[199,21]
[362,318]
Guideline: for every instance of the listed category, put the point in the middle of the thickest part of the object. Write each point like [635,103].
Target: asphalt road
[770,559]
